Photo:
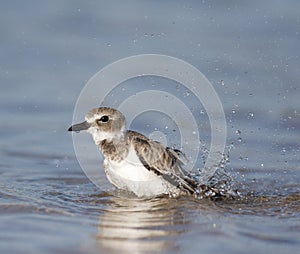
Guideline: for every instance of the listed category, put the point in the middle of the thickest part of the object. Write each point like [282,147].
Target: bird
[132,161]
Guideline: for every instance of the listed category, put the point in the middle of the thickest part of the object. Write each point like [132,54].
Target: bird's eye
[104,119]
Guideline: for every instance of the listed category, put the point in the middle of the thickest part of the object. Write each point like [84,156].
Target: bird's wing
[162,161]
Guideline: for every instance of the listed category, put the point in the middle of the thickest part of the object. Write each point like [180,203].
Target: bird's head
[103,123]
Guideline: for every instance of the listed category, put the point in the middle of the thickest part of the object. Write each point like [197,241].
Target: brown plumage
[155,157]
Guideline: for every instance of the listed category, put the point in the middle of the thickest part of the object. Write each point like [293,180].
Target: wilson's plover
[134,162]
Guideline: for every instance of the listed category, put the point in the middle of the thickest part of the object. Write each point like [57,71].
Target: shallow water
[250,53]
[67,213]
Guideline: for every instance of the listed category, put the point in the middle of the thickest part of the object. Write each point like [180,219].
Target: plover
[134,162]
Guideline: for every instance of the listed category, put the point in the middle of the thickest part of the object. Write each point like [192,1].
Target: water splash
[220,184]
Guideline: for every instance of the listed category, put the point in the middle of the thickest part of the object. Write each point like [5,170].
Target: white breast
[131,175]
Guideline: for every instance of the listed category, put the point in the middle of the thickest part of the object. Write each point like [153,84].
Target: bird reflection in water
[139,225]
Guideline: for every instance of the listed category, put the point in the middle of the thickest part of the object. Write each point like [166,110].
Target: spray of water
[220,184]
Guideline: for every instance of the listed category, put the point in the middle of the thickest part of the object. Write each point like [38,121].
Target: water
[250,53]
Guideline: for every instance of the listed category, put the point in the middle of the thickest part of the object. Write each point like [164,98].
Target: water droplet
[250,115]
[187,93]
[238,132]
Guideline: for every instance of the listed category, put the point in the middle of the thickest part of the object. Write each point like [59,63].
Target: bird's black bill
[80,126]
